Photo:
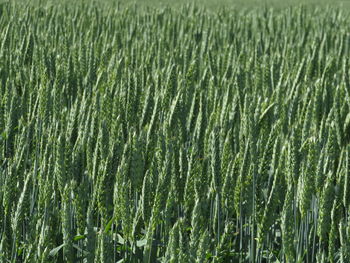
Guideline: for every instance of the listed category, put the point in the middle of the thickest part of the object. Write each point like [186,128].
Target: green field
[241,4]
[152,133]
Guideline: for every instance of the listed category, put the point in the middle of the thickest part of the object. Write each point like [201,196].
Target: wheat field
[174,134]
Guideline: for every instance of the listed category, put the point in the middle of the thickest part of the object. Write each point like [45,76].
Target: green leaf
[79,237]
[84,252]
[54,251]
[266,111]
[120,239]
[4,135]
[109,225]
[141,243]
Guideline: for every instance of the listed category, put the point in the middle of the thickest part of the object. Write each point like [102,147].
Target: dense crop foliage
[163,135]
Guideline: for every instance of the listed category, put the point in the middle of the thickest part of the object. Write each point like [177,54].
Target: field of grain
[174,134]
